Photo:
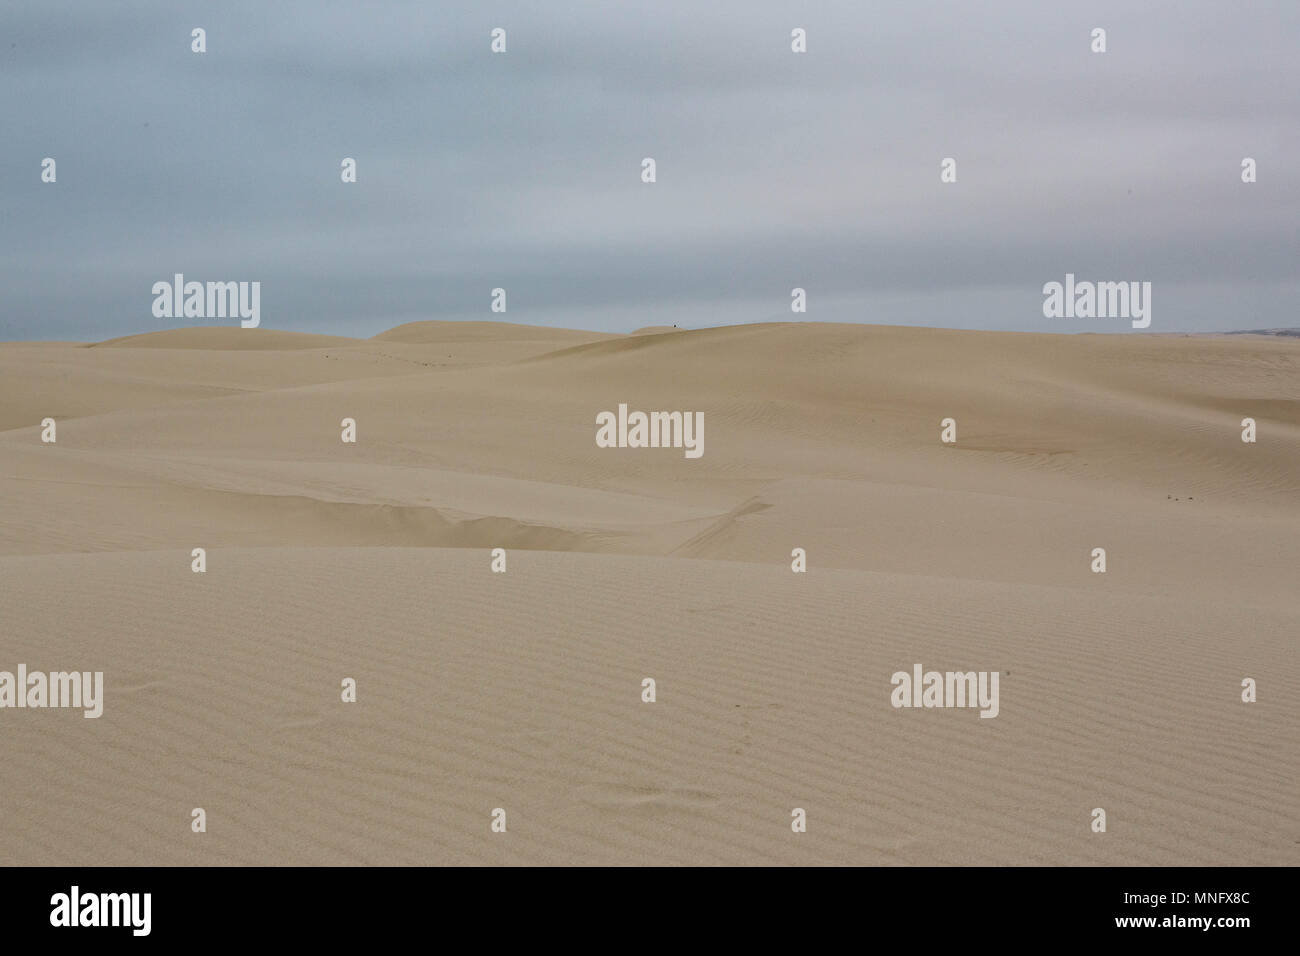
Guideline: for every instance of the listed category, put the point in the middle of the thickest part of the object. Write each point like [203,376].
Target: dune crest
[225,337]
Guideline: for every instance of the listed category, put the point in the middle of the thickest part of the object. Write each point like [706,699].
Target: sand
[478,690]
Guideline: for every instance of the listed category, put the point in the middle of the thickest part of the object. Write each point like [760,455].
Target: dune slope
[522,690]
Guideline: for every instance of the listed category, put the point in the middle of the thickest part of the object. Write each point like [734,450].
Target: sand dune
[498,332]
[522,690]
[226,337]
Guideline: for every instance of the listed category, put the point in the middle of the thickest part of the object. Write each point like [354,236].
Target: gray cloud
[775,170]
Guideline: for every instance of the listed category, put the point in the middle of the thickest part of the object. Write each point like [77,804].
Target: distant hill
[1293,333]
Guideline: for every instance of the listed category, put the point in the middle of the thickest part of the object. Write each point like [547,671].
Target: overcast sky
[523,170]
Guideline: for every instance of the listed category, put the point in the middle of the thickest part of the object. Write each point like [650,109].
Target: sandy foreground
[478,690]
